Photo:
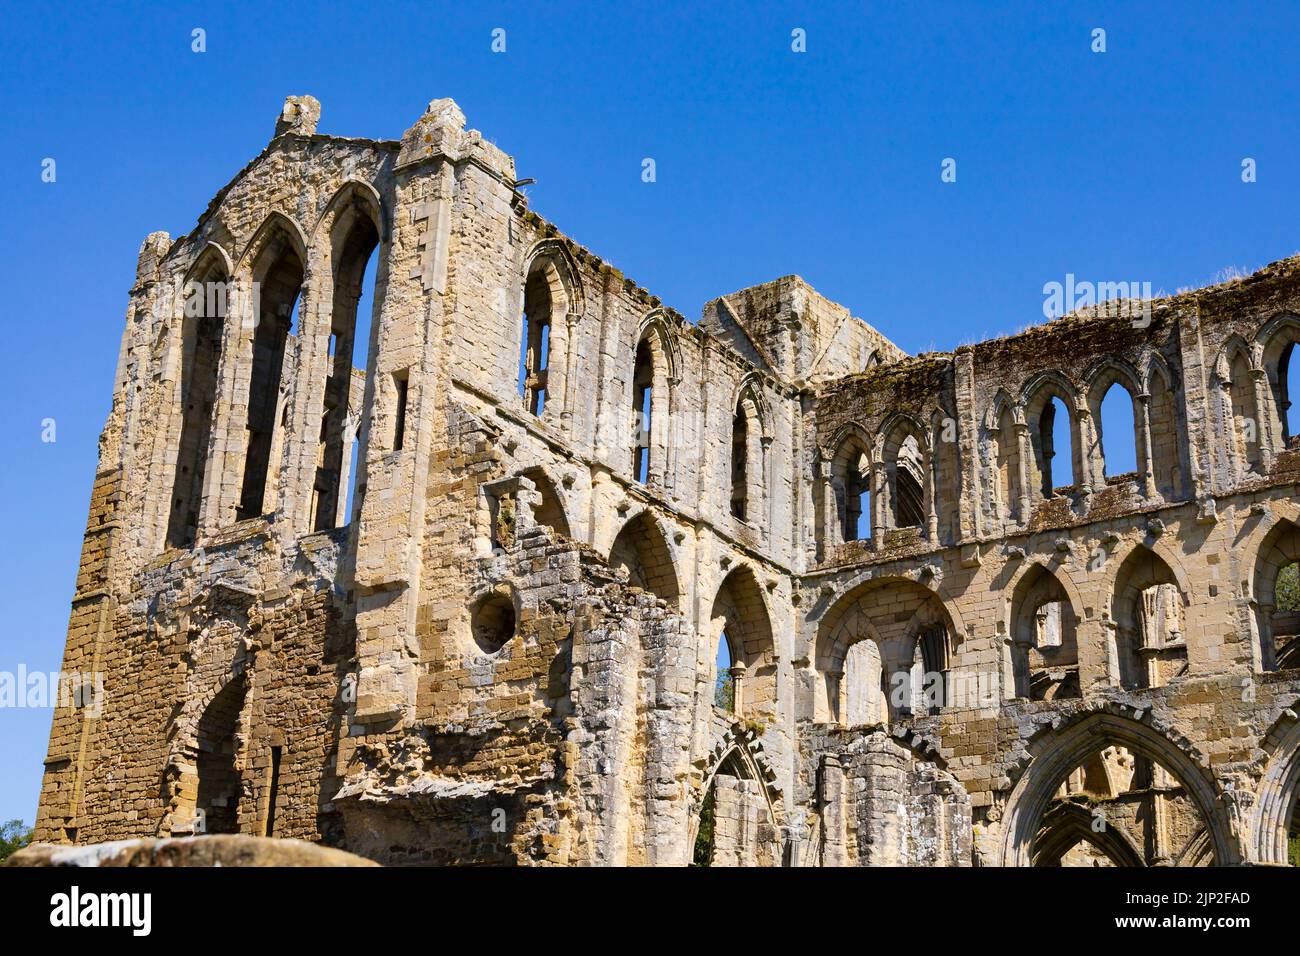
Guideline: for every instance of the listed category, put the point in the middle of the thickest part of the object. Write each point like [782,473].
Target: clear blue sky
[1117,166]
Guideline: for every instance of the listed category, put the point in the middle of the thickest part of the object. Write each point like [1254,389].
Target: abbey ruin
[561,577]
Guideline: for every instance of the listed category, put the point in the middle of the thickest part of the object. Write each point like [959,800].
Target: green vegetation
[724,692]
[14,835]
[1287,592]
[704,837]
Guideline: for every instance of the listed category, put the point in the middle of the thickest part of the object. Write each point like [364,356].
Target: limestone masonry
[468,605]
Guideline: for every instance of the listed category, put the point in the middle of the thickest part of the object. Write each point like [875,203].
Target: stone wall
[501,646]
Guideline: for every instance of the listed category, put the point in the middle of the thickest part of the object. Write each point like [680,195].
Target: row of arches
[885,649]
[889,482]
[1251,389]
[245,360]
[551,306]
[1149,815]
[1053,441]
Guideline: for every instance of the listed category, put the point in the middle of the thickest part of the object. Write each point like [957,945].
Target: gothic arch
[641,548]
[275,224]
[1052,383]
[1043,651]
[1054,753]
[750,437]
[551,510]
[733,752]
[1155,366]
[183,775]
[1147,644]
[1281,325]
[551,298]
[849,471]
[903,451]
[202,335]
[653,381]
[1058,572]
[1162,551]
[556,253]
[842,434]
[741,611]
[751,389]
[1275,550]
[352,192]
[349,234]
[1068,824]
[1105,372]
[1036,402]
[1278,791]
[1002,401]
[853,617]
[655,325]
[1273,347]
[276,262]
[212,256]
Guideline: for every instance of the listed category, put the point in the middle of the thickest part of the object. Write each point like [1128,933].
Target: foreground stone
[223,850]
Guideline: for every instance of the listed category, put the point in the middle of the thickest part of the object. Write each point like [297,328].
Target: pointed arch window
[202,331]
[279,276]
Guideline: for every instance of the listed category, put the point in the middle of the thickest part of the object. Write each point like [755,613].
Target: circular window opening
[493,623]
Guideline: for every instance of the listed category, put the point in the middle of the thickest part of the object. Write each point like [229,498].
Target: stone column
[834,812]
[1026,449]
[833,491]
[738,670]
[1263,418]
[1087,479]
[1147,463]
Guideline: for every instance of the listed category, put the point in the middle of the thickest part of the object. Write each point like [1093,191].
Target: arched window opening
[930,667]
[1150,646]
[1287,373]
[354,276]
[642,553]
[1056,455]
[1117,434]
[1006,456]
[735,823]
[1276,588]
[739,457]
[914,638]
[1244,432]
[1293,837]
[1118,808]
[278,295]
[745,681]
[1044,642]
[202,331]
[724,683]
[643,382]
[1285,619]
[535,354]
[864,686]
[360,367]
[851,485]
[492,623]
[908,476]
[219,781]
